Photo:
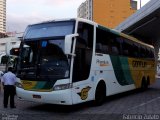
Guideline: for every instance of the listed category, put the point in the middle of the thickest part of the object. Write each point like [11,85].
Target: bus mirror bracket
[68,43]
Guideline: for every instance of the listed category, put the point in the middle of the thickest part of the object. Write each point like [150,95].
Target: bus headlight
[62,86]
[19,85]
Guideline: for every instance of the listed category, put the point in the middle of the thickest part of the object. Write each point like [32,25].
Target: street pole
[140,4]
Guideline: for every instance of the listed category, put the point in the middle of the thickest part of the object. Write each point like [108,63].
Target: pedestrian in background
[8,82]
[1,74]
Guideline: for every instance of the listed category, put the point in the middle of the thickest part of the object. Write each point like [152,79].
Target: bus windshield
[48,30]
[42,51]
[44,60]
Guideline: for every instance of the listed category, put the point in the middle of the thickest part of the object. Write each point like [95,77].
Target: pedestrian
[1,74]
[8,82]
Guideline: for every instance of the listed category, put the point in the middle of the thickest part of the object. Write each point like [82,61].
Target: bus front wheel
[100,94]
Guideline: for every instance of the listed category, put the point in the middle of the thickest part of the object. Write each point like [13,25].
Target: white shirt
[9,78]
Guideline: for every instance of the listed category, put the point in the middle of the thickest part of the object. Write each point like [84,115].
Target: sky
[21,13]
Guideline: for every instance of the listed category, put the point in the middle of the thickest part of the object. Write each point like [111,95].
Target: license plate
[37,96]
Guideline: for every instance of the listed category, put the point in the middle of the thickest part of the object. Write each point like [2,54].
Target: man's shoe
[5,106]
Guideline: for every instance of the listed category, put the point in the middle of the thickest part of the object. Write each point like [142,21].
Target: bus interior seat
[115,50]
[125,52]
[105,48]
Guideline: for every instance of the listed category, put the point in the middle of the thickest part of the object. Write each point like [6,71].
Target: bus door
[82,64]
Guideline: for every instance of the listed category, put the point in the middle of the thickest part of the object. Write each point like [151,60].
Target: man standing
[8,81]
[1,74]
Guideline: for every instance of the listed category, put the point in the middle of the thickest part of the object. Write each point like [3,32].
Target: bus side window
[85,32]
[127,48]
[102,41]
[115,50]
[142,52]
[105,49]
[125,52]
[99,47]
[147,53]
[135,51]
[151,54]
[115,42]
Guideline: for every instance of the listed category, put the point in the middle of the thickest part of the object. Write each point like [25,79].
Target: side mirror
[68,43]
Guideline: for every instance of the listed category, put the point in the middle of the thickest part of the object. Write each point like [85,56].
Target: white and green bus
[76,60]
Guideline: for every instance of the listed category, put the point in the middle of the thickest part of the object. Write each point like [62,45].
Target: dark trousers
[9,91]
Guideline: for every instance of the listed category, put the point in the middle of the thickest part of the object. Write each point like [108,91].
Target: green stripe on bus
[122,70]
[44,85]
[39,85]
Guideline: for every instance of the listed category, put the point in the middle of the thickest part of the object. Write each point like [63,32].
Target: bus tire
[148,81]
[144,85]
[100,94]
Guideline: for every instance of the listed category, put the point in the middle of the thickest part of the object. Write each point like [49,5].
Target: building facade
[12,40]
[109,13]
[85,10]
[2,16]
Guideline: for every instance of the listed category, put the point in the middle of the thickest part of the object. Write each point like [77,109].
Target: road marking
[142,104]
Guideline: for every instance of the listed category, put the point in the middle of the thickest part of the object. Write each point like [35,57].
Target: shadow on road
[61,108]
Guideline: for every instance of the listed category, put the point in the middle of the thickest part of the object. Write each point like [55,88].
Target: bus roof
[69,19]
[98,25]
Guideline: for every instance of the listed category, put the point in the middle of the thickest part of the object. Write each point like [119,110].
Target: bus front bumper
[61,97]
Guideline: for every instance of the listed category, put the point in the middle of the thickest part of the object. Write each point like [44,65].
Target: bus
[72,61]
[15,49]
[9,58]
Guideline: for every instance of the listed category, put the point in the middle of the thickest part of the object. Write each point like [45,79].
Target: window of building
[133,4]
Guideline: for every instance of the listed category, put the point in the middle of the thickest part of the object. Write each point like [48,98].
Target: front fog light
[62,86]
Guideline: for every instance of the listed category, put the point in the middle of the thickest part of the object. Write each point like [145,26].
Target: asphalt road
[133,105]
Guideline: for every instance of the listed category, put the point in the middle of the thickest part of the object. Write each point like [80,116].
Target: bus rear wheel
[100,94]
[148,81]
[144,84]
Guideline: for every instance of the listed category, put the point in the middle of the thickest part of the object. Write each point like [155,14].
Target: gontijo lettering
[139,63]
